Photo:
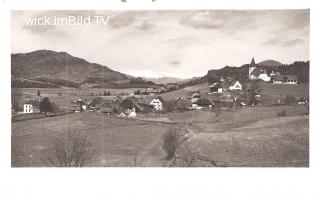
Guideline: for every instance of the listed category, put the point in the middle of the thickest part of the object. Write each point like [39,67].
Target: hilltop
[270,63]
[46,68]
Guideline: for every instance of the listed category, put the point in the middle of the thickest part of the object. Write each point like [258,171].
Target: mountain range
[51,69]
[46,68]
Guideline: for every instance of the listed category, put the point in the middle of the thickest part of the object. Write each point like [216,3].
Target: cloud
[176,43]
[291,43]
[204,20]
[121,20]
[145,25]
[273,41]
[175,62]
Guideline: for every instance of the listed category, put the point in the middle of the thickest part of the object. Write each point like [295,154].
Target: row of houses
[256,73]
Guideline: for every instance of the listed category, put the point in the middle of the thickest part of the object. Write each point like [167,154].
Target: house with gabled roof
[235,85]
[215,88]
[31,106]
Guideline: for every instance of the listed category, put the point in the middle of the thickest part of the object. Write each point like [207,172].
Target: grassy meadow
[247,137]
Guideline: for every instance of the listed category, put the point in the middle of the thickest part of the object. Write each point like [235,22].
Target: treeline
[299,68]
[19,83]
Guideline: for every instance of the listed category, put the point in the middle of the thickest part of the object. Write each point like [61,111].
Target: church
[255,73]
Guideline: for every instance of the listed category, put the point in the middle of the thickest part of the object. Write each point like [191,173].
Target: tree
[38,93]
[170,143]
[105,93]
[45,106]
[71,149]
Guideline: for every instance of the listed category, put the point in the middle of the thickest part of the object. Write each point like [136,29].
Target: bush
[290,100]
[283,113]
[170,143]
[69,150]
[188,155]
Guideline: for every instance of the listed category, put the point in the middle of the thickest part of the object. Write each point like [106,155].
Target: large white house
[157,103]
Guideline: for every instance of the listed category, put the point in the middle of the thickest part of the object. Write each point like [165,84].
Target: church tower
[252,67]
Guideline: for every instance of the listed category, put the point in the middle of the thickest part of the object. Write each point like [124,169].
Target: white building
[27,108]
[252,67]
[264,77]
[157,103]
[235,85]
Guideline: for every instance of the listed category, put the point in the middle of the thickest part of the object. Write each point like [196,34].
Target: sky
[180,44]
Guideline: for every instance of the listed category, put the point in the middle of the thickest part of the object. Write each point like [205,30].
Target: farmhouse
[183,103]
[81,103]
[215,88]
[106,107]
[235,85]
[157,103]
[130,103]
[285,79]
[137,104]
[204,103]
[31,106]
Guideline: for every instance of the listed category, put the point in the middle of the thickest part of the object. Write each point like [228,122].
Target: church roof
[253,63]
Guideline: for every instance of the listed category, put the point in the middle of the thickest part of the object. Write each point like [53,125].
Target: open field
[252,136]
[116,141]
[202,88]
[64,96]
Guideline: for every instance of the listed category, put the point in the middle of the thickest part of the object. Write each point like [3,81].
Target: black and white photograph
[160,88]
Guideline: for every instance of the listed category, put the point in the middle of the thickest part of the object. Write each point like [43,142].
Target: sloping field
[299,90]
[266,143]
[185,91]
[250,137]
[117,142]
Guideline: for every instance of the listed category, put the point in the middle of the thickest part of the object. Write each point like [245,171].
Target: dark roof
[234,82]
[216,85]
[204,102]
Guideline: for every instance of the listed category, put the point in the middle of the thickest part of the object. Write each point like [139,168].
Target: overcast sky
[183,44]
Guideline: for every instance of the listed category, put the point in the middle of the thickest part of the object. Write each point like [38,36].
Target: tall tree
[45,106]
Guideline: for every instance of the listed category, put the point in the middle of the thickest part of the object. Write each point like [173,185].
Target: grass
[251,136]
[265,143]
[202,88]
[118,142]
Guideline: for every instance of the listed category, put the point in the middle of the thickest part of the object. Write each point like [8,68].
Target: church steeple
[253,63]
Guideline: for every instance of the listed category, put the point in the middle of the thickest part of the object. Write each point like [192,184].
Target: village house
[137,104]
[285,79]
[183,103]
[157,103]
[107,107]
[235,85]
[31,106]
[204,103]
[215,88]
[255,73]
[81,103]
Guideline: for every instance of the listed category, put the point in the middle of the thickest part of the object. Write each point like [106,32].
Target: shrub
[187,154]
[283,113]
[170,143]
[290,100]
[69,150]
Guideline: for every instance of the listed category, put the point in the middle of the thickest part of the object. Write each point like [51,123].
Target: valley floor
[247,137]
